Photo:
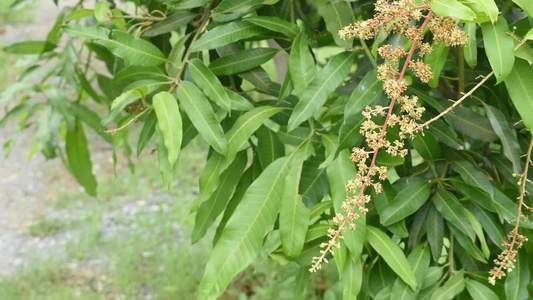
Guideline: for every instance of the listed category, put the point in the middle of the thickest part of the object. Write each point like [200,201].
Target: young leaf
[227,33]
[169,121]
[520,87]
[133,50]
[452,210]
[246,125]
[406,202]
[301,64]
[243,235]
[198,109]
[480,291]
[470,50]
[80,13]
[242,61]
[452,287]
[79,159]
[499,47]
[209,83]
[392,254]
[101,9]
[525,5]
[211,208]
[452,8]
[87,32]
[324,83]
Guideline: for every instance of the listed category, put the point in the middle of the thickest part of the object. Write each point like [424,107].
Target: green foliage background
[277,96]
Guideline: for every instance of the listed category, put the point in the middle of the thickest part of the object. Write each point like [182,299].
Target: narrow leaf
[480,291]
[452,210]
[511,149]
[406,202]
[147,132]
[246,125]
[198,109]
[227,33]
[243,235]
[470,50]
[171,23]
[472,175]
[518,279]
[452,8]
[79,159]
[301,64]
[452,287]
[169,121]
[366,92]
[209,83]
[324,83]
[436,59]
[499,47]
[520,87]
[275,24]
[133,50]
[392,254]
[242,61]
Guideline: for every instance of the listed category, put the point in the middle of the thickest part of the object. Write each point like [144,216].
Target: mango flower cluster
[397,17]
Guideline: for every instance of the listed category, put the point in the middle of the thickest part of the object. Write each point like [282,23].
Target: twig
[114,131]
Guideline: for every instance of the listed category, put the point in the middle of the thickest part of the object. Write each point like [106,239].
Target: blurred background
[130,242]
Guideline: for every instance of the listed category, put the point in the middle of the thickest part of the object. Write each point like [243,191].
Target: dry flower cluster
[399,17]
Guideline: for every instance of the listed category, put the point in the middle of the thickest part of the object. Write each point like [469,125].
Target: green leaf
[471,124]
[242,238]
[366,93]
[435,231]
[242,61]
[169,121]
[336,15]
[339,172]
[419,261]
[294,216]
[246,125]
[80,13]
[444,134]
[352,278]
[215,205]
[472,175]
[87,32]
[392,254]
[147,132]
[101,9]
[452,287]
[452,210]
[171,23]
[490,8]
[198,109]
[349,133]
[452,8]
[136,73]
[505,206]
[238,102]
[517,280]
[29,47]
[499,47]
[48,128]
[511,149]
[525,5]
[133,50]
[406,202]
[271,147]
[210,178]
[477,195]
[168,173]
[79,159]
[470,50]
[491,224]
[426,145]
[478,229]
[92,119]
[436,59]
[275,24]
[324,83]
[209,83]
[520,87]
[227,33]
[302,68]
[118,105]
[480,291]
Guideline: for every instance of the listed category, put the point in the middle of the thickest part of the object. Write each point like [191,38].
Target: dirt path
[25,185]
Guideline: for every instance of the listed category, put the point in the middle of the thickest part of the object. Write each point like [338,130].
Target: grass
[133,242]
